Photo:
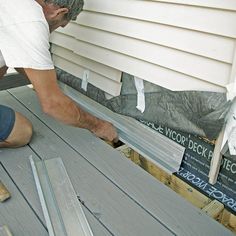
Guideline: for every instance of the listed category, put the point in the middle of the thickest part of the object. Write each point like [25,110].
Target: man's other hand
[106,131]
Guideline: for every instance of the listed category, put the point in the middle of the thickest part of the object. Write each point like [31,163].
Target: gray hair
[74,6]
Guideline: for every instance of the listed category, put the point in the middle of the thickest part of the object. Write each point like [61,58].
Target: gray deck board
[16,163]
[16,213]
[162,203]
[120,214]
[13,81]
[18,166]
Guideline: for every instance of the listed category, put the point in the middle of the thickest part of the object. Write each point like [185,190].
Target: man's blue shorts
[7,121]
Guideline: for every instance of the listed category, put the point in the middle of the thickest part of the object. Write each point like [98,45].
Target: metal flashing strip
[164,152]
[62,210]
[4,231]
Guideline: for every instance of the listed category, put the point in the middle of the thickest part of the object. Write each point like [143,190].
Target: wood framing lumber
[216,159]
[213,209]
[4,193]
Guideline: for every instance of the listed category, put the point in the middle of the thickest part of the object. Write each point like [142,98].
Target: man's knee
[21,132]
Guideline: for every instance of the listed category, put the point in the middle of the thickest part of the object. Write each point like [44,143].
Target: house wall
[177,44]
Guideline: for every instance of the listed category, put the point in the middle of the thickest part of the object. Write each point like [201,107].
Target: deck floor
[119,198]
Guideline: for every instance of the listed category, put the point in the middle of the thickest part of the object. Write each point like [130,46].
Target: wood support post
[216,159]
[4,193]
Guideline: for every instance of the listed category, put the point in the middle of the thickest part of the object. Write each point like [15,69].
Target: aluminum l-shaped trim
[157,148]
[62,210]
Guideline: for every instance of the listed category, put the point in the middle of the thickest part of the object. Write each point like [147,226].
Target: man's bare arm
[62,108]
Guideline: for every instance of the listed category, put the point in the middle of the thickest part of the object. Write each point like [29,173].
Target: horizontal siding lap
[178,44]
[147,71]
[68,30]
[111,87]
[63,40]
[199,67]
[89,64]
[208,45]
[207,20]
[219,4]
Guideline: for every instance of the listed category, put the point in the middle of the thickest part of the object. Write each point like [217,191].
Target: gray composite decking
[119,198]
[13,80]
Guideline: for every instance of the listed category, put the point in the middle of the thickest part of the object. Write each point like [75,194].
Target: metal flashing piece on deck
[4,231]
[62,210]
[156,147]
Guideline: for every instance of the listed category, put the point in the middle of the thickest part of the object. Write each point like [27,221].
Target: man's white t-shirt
[24,35]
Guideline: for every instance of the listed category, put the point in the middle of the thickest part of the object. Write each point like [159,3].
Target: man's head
[60,12]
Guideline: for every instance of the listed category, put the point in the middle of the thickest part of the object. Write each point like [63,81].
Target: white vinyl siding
[103,77]
[221,4]
[177,44]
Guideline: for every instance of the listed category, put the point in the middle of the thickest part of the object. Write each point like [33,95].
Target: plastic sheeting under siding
[195,112]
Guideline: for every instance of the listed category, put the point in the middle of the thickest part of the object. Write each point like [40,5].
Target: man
[25,26]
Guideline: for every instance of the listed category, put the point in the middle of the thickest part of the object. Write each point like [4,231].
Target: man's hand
[106,131]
